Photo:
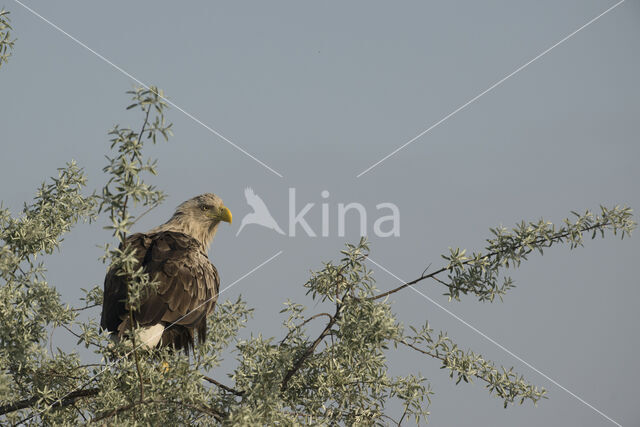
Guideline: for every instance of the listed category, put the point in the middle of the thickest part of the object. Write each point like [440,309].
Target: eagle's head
[199,217]
[205,209]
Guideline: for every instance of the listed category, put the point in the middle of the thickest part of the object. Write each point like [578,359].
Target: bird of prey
[175,255]
[260,214]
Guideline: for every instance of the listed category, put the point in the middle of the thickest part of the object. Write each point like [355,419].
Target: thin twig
[51,340]
[440,281]
[302,324]
[326,331]
[114,412]
[436,356]
[425,270]
[123,239]
[492,254]
[79,412]
[123,211]
[309,351]
[391,419]
[428,353]
[404,414]
[135,354]
[86,307]
[80,337]
[222,386]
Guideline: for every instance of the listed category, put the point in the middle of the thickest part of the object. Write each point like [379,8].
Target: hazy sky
[320,91]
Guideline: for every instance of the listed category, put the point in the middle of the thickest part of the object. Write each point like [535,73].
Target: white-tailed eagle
[175,255]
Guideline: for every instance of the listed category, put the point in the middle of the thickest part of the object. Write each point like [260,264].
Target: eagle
[174,255]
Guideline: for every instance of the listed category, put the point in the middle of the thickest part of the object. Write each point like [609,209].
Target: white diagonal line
[489,89]
[250,272]
[139,345]
[491,340]
[168,101]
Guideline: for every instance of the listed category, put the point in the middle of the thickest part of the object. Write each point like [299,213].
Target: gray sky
[321,91]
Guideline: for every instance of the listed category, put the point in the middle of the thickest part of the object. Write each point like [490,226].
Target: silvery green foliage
[6,42]
[329,367]
[467,365]
[337,376]
[126,188]
[29,306]
[479,274]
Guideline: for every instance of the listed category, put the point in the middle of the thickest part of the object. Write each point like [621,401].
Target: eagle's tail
[179,337]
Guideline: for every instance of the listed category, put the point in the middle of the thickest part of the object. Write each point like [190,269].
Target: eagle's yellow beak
[225,215]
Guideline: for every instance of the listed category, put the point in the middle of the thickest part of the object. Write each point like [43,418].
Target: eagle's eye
[204,207]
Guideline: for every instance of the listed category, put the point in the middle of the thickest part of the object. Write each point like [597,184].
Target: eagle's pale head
[199,217]
[205,209]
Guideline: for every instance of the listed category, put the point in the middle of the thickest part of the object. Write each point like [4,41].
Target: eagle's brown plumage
[175,255]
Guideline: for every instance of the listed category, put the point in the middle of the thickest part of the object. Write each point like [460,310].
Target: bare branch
[222,386]
[86,307]
[68,400]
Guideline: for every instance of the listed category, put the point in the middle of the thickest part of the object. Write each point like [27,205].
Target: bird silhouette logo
[260,214]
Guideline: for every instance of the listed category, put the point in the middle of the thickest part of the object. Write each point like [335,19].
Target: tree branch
[86,307]
[492,254]
[222,386]
[123,238]
[435,356]
[309,351]
[68,400]
[115,412]
[80,337]
[123,212]
[326,331]
[209,411]
[135,353]
[304,323]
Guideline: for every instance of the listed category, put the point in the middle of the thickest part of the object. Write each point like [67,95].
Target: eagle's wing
[188,283]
